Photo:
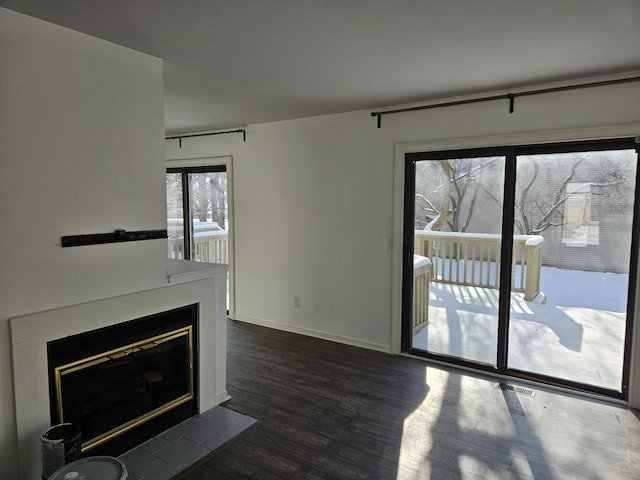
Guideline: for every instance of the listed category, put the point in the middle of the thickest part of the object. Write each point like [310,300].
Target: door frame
[227,162]
[632,395]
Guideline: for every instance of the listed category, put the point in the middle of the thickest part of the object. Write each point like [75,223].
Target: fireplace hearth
[125,383]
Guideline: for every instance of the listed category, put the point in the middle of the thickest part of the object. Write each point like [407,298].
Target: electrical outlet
[296,302]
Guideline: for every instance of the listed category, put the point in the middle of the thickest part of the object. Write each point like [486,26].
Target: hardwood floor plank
[332,411]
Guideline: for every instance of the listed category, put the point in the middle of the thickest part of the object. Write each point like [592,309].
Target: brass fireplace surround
[119,353]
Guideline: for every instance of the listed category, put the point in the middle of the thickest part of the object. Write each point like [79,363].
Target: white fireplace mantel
[187,284]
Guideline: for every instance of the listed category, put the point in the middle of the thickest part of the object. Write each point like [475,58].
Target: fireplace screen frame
[119,353]
[122,342]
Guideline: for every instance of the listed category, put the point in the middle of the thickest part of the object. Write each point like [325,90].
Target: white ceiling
[230,63]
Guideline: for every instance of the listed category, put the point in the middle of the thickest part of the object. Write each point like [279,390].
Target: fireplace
[125,383]
[188,283]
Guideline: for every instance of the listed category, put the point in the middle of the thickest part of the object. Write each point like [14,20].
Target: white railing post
[533,249]
[175,248]
[421,278]
[211,250]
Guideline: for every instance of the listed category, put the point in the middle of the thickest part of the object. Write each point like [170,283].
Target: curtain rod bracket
[379,115]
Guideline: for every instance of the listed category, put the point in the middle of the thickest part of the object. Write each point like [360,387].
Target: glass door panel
[456,263]
[209,217]
[573,223]
[175,216]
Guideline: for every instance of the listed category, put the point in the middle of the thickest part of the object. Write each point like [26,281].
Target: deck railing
[211,247]
[473,259]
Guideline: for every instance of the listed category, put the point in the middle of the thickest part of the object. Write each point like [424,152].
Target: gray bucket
[92,468]
[60,446]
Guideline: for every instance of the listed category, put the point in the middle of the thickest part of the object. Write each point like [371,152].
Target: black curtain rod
[507,96]
[180,137]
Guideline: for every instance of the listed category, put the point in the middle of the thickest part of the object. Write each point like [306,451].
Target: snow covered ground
[578,335]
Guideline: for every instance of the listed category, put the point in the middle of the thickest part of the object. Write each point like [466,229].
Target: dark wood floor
[330,411]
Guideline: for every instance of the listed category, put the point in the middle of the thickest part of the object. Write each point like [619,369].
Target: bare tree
[441,213]
[453,194]
[200,200]
[543,207]
[458,185]
[218,198]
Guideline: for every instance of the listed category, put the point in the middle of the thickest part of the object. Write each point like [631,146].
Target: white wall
[81,151]
[314,202]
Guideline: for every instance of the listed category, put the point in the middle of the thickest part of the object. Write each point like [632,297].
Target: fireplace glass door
[117,390]
[128,382]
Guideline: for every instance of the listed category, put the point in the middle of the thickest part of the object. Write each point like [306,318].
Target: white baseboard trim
[354,342]
[222,397]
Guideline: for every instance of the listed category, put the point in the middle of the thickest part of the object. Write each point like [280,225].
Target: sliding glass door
[457,195]
[198,215]
[520,260]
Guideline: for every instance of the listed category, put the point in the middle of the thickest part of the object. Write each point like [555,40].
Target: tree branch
[430,206]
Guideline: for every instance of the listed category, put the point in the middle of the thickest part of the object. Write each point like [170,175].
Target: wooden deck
[330,411]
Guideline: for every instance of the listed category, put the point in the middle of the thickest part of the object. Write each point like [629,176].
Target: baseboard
[354,342]
[222,397]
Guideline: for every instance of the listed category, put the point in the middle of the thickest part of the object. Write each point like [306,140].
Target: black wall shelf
[114,237]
